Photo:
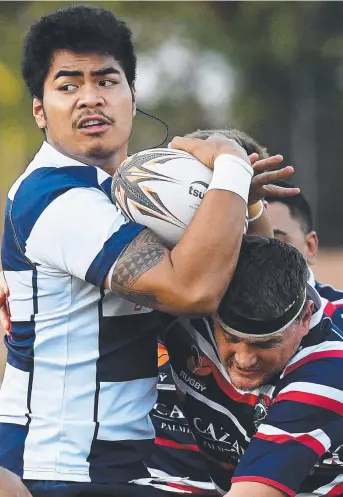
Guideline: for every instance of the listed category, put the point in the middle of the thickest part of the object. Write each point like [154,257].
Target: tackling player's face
[87,108]
[289,230]
[251,363]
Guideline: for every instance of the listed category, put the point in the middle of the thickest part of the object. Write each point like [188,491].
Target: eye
[107,82]
[265,345]
[231,338]
[68,87]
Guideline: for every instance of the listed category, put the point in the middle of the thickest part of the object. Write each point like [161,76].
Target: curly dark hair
[81,29]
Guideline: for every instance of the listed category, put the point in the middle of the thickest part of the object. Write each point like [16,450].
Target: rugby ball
[161,188]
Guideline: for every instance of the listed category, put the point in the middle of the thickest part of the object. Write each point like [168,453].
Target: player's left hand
[263,179]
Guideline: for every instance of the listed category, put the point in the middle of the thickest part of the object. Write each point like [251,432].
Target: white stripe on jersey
[314,388]
[318,434]
[320,347]
[68,246]
[22,306]
[13,396]
[64,377]
[118,416]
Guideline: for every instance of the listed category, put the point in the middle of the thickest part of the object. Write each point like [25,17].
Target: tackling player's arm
[192,278]
[253,489]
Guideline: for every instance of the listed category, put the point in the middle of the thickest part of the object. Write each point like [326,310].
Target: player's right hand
[206,151]
[4,315]
[11,485]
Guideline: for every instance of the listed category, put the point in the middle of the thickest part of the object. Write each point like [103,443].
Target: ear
[38,113]
[133,93]
[306,318]
[311,247]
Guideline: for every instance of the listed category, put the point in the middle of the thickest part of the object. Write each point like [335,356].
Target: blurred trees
[273,69]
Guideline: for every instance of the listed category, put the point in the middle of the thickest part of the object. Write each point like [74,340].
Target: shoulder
[329,292]
[316,370]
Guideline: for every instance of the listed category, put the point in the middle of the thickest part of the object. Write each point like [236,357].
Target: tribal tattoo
[142,254]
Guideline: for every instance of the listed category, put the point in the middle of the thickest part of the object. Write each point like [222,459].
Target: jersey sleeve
[304,422]
[71,225]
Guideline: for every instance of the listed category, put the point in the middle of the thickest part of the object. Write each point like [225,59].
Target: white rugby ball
[161,188]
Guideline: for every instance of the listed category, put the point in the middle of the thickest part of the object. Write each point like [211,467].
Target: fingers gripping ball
[161,189]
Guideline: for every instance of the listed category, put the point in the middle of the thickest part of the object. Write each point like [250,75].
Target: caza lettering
[173,413]
[218,434]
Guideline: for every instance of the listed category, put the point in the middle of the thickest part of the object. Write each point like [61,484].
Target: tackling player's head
[250,145]
[79,64]
[291,219]
[265,312]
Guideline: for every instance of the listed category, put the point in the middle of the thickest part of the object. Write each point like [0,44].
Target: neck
[109,164]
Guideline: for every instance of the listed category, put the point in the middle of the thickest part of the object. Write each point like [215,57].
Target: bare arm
[261,226]
[254,489]
[192,278]
[11,485]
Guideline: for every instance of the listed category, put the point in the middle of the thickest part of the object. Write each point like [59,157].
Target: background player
[292,222]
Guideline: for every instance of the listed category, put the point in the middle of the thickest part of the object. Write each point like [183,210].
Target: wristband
[255,211]
[232,174]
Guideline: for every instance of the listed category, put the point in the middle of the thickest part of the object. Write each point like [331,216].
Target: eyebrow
[272,340]
[101,72]
[279,232]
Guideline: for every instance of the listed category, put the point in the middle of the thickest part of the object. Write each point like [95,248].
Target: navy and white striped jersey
[287,434]
[176,456]
[81,372]
[333,302]
[333,299]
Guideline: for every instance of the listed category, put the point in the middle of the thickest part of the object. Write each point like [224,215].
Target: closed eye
[266,345]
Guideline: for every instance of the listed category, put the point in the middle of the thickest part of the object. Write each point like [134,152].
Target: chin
[247,385]
[99,151]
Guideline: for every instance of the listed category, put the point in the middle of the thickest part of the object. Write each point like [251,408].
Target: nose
[245,357]
[89,97]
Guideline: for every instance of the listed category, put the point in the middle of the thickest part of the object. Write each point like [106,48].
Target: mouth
[93,124]
[246,372]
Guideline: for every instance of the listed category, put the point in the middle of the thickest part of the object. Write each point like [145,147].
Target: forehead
[85,62]
[280,217]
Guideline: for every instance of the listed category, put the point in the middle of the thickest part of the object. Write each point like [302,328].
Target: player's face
[87,108]
[289,230]
[252,363]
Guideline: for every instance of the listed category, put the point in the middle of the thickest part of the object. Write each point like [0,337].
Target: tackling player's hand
[4,315]
[11,485]
[263,179]
[206,151]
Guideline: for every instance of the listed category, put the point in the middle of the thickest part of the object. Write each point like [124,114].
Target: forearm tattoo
[142,254]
